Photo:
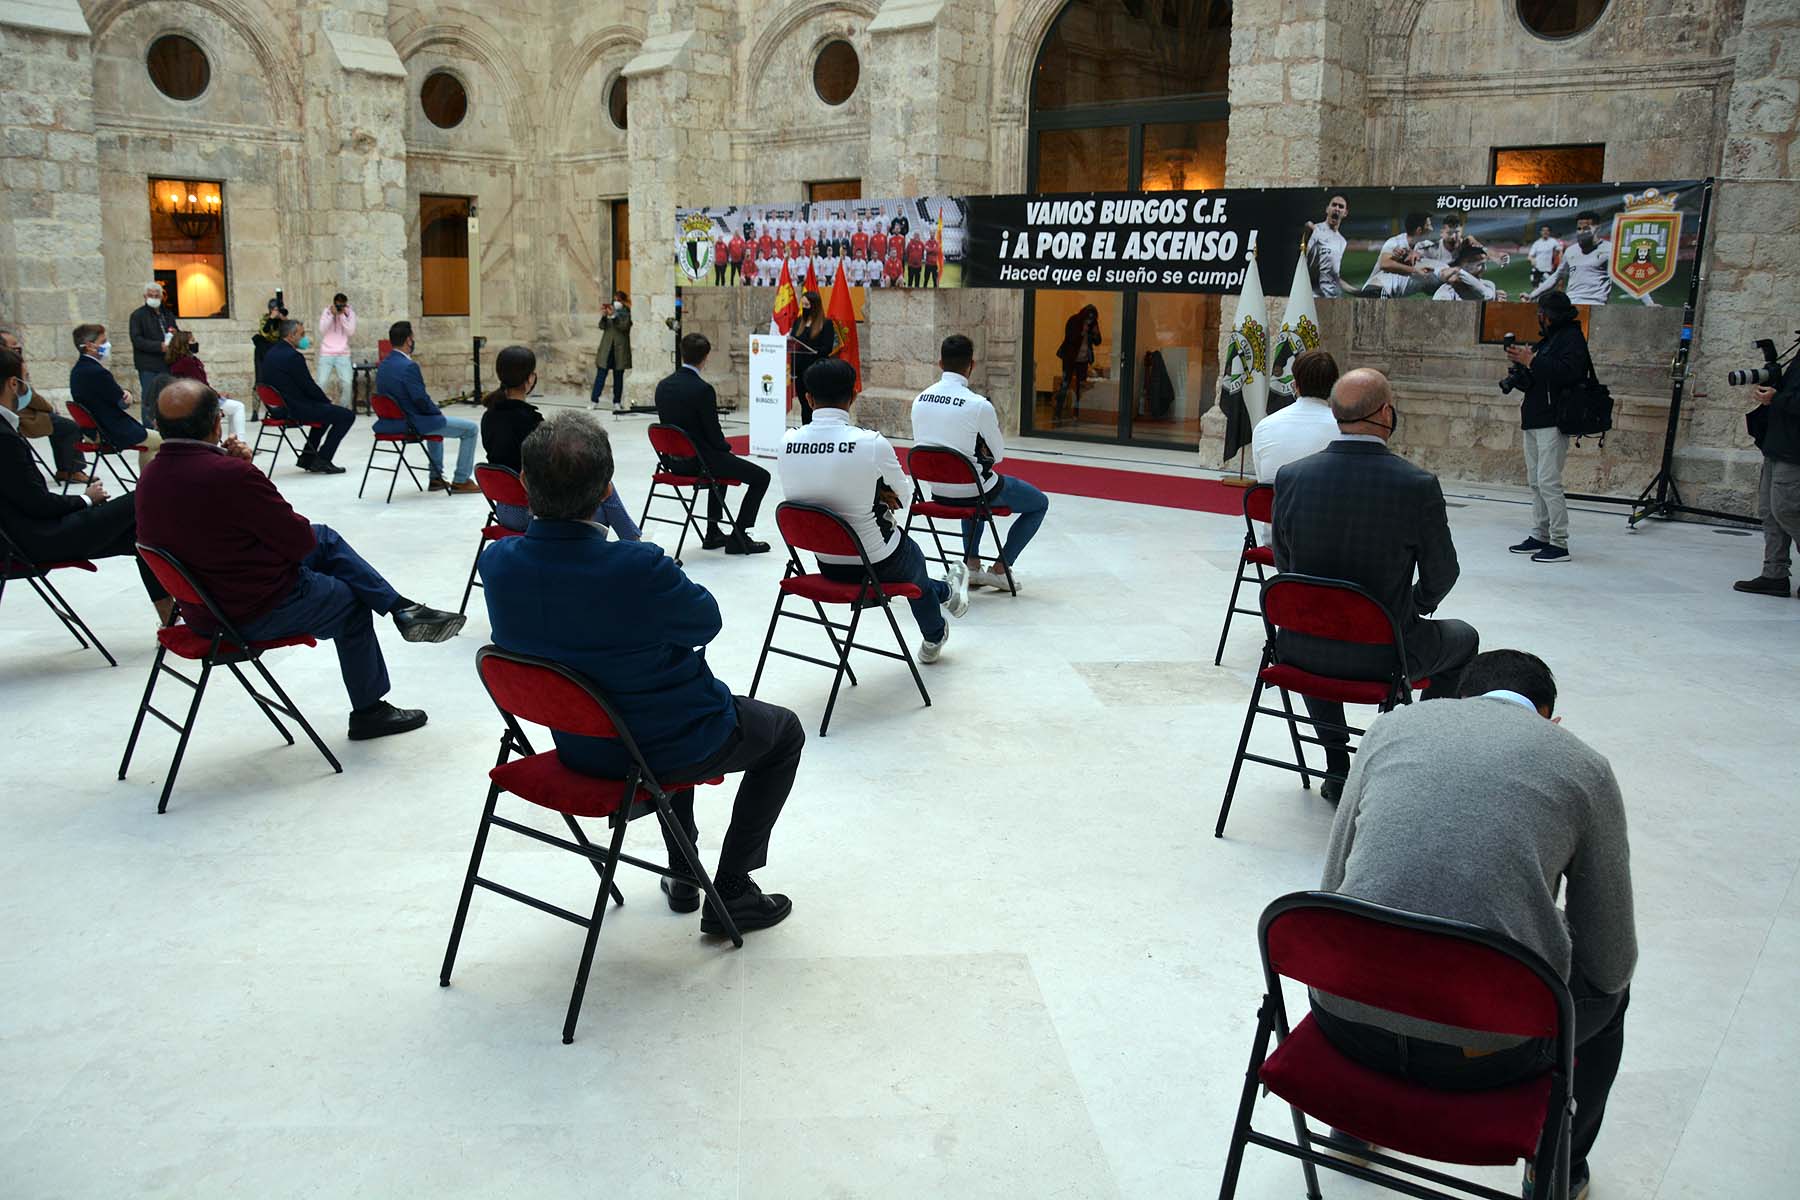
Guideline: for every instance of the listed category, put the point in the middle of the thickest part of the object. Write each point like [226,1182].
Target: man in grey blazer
[1359,513]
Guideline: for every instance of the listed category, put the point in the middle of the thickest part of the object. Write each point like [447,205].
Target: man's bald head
[1358,397]
[187,408]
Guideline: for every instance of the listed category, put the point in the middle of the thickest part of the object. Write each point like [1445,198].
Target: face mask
[103,349]
[1586,238]
[22,399]
[305,342]
[153,301]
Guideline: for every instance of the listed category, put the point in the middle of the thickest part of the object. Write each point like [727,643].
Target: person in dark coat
[686,401]
[39,420]
[816,338]
[151,326]
[1081,334]
[615,350]
[1555,364]
[93,387]
[285,370]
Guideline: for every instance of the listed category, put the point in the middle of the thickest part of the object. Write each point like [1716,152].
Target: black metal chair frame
[605,861]
[1261,577]
[979,509]
[872,594]
[687,495]
[229,648]
[15,564]
[275,420]
[93,440]
[493,518]
[1552,1161]
[396,444]
[1399,692]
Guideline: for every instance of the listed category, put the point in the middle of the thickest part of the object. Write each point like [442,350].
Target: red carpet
[1111,483]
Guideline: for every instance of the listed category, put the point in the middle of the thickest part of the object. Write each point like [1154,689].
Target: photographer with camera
[1543,372]
[1775,428]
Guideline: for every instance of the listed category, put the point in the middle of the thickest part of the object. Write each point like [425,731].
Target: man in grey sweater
[1480,811]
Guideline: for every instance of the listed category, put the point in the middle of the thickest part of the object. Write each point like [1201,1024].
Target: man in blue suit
[623,615]
[285,370]
[400,380]
[93,387]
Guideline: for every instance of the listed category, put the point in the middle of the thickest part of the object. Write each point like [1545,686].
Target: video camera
[1516,377]
[1767,375]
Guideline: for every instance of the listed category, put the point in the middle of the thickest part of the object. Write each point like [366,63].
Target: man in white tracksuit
[855,473]
[948,414]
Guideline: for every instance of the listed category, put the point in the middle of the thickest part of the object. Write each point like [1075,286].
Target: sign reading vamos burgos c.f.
[1624,243]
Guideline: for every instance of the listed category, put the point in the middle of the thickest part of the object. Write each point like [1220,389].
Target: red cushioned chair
[1259,505]
[499,485]
[1435,970]
[394,445]
[275,421]
[809,527]
[93,440]
[1336,611]
[942,464]
[16,564]
[545,693]
[680,469]
[227,648]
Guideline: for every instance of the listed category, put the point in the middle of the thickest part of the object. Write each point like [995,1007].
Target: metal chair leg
[593,933]
[905,650]
[1230,609]
[468,888]
[137,726]
[293,710]
[1237,762]
[691,856]
[187,729]
[262,704]
[1287,705]
[837,677]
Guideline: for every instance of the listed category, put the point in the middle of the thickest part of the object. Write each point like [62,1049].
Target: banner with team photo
[908,242]
[1604,243]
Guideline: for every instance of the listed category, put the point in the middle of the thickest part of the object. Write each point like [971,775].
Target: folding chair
[942,464]
[225,647]
[42,465]
[276,421]
[1336,611]
[809,527]
[675,455]
[395,444]
[499,485]
[16,564]
[531,689]
[1433,969]
[95,442]
[1259,505]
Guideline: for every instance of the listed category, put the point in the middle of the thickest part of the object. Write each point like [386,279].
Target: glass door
[1077,370]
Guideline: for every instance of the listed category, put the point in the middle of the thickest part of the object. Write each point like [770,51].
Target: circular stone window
[836,72]
[445,101]
[616,106]
[178,67]
[1560,18]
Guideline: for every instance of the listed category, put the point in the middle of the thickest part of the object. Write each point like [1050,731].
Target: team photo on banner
[912,242]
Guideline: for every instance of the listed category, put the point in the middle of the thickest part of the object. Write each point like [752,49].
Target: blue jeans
[905,565]
[465,432]
[336,597]
[611,514]
[1028,505]
[618,374]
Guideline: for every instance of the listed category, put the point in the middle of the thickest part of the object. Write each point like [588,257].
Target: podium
[768,392]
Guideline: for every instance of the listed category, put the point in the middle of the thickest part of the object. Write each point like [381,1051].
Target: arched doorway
[1127,95]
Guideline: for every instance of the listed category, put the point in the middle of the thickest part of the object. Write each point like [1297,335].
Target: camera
[1516,377]
[1767,375]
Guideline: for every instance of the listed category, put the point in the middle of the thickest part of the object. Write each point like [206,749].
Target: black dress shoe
[714,541]
[306,460]
[683,897]
[1763,585]
[382,719]
[417,623]
[741,544]
[1338,763]
[322,466]
[751,909]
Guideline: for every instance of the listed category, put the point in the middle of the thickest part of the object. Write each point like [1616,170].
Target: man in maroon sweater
[272,573]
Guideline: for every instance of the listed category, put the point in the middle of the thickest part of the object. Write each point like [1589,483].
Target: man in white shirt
[1543,254]
[1325,248]
[854,472]
[1302,428]
[1586,266]
[948,414]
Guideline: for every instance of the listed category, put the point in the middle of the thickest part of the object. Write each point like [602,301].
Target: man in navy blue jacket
[285,370]
[400,380]
[623,615]
[93,387]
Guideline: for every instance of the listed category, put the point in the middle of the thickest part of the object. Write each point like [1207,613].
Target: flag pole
[1241,480]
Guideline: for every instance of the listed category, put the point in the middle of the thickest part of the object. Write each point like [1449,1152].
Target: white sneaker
[957,576]
[929,651]
[993,579]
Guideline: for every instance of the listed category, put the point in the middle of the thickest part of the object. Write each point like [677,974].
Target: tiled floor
[1019,964]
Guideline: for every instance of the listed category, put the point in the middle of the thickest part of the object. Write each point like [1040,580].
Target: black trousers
[730,466]
[64,435]
[335,423]
[107,530]
[766,747]
[1439,650]
[1599,1044]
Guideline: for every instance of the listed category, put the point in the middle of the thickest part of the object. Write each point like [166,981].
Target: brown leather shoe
[74,477]
[439,484]
[467,487]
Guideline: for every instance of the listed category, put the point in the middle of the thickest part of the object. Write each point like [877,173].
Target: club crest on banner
[1646,238]
[696,253]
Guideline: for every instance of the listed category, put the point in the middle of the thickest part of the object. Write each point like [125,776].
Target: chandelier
[192,207]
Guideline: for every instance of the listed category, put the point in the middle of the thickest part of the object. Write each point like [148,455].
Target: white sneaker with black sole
[957,576]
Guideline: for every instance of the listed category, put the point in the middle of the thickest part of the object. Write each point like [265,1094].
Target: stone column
[928,62]
[679,140]
[51,274]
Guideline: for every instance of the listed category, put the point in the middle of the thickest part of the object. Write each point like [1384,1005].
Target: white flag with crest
[1244,372]
[1299,332]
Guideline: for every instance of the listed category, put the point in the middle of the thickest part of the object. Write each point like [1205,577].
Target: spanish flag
[842,311]
[787,305]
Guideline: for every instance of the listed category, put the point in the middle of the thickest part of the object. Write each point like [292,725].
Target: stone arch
[281,74]
[571,75]
[1012,79]
[477,42]
[782,26]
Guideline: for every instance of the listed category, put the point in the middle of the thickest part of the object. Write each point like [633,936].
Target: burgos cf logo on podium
[1646,238]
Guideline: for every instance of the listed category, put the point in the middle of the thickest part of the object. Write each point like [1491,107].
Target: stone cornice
[45,16]
[133,123]
[488,158]
[1584,78]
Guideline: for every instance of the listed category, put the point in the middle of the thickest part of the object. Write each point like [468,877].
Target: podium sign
[768,392]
